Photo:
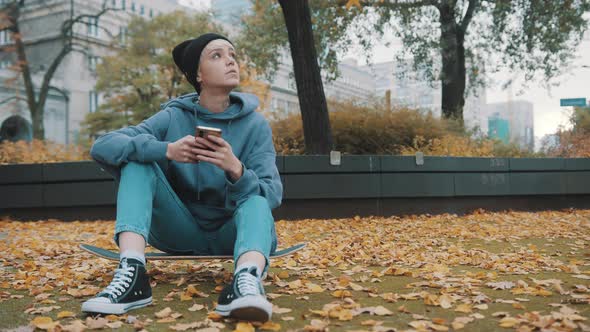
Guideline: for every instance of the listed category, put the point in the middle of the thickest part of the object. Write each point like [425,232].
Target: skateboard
[112,255]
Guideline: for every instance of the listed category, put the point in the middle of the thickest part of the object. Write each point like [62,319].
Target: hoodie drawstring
[196,124]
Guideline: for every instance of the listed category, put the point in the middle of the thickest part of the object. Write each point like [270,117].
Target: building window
[114,3]
[133,7]
[122,35]
[123,5]
[5,37]
[5,64]
[92,62]
[92,25]
[92,101]
[141,10]
[151,13]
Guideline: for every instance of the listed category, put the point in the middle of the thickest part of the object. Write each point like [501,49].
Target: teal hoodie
[205,189]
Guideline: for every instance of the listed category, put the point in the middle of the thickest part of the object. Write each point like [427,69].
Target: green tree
[452,41]
[580,120]
[141,74]
[456,41]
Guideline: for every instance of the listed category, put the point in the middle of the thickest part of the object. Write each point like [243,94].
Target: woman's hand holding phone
[218,152]
[213,149]
[184,150]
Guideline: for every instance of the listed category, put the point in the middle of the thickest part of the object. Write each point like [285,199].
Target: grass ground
[480,272]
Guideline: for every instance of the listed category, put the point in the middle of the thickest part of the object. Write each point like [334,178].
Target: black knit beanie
[187,54]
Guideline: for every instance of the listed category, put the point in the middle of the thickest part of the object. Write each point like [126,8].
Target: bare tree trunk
[312,100]
[36,112]
[453,64]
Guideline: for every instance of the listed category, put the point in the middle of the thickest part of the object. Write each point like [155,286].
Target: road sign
[573,102]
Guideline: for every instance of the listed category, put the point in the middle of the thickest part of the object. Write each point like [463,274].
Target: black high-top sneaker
[244,298]
[130,289]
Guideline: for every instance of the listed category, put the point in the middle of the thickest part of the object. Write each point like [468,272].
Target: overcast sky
[548,114]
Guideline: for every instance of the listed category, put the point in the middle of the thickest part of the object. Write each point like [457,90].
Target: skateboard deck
[112,255]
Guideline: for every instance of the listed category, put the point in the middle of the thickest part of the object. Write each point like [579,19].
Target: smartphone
[202,131]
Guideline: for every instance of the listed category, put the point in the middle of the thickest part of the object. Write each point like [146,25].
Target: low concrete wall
[313,188]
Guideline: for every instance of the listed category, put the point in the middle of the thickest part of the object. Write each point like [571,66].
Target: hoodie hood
[241,104]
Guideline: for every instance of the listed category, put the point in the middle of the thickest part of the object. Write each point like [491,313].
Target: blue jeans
[147,205]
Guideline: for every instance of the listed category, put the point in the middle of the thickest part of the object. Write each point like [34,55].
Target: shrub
[360,129]
[38,151]
[375,130]
[572,144]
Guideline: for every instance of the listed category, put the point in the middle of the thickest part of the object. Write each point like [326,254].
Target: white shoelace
[248,284]
[120,281]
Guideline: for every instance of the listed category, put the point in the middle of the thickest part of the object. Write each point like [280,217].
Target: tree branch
[473,4]
[67,34]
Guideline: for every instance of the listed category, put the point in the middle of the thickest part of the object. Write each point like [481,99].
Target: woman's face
[218,67]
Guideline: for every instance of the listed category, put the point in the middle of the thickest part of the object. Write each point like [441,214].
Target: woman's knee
[257,201]
[138,168]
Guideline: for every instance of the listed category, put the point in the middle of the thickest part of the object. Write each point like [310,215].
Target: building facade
[73,93]
[521,120]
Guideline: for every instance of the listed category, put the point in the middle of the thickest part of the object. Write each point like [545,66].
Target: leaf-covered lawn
[480,272]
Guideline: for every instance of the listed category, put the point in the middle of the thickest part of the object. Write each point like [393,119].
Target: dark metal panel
[537,164]
[312,186]
[74,171]
[482,184]
[417,184]
[21,173]
[80,193]
[578,182]
[577,164]
[538,183]
[21,195]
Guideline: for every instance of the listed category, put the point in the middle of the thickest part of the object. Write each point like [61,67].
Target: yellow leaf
[75,326]
[283,274]
[382,311]
[438,327]
[244,327]
[351,3]
[341,293]
[196,307]
[214,316]
[356,287]
[95,324]
[185,297]
[64,314]
[295,284]
[518,306]
[445,301]
[509,322]
[344,315]
[464,307]
[44,323]
[192,290]
[115,325]
[314,288]
[112,318]
[270,326]
[164,313]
